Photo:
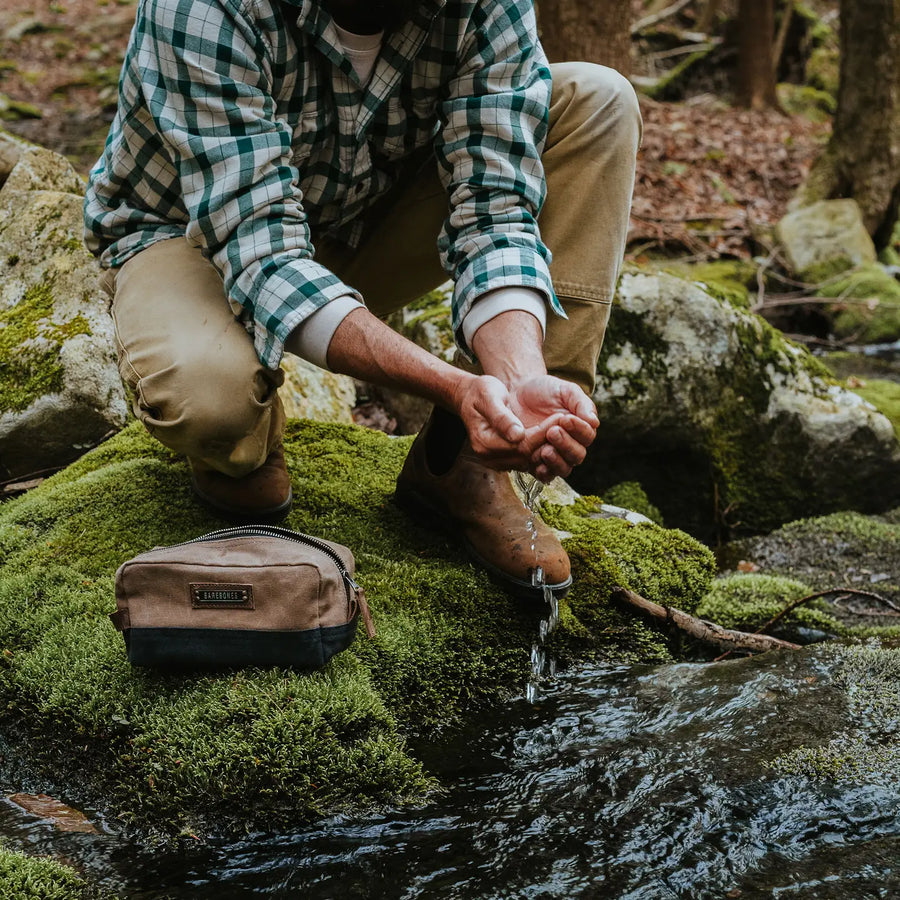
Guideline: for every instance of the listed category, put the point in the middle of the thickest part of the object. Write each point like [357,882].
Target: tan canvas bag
[254,595]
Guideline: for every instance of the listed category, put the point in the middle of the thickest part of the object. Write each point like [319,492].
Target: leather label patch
[221,596]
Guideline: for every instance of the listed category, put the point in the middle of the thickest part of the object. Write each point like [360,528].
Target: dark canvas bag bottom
[217,648]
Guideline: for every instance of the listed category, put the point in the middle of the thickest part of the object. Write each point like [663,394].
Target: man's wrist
[510,347]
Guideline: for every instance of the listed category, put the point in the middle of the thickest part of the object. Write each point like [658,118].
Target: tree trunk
[756,38]
[598,31]
[862,159]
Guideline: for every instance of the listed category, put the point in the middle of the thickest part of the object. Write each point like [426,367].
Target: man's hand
[554,412]
[565,420]
[544,425]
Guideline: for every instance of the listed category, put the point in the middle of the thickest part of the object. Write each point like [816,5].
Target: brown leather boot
[443,480]
[262,497]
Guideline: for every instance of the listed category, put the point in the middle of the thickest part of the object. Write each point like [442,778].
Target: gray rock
[824,238]
[728,426]
[60,390]
[312,393]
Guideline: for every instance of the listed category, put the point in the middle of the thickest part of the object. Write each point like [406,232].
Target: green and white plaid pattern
[242,126]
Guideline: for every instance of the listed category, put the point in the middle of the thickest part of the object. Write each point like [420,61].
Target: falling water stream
[542,661]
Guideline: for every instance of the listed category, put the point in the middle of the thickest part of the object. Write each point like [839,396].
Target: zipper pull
[363,605]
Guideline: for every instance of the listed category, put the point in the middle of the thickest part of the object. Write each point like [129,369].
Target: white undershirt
[362,50]
[312,337]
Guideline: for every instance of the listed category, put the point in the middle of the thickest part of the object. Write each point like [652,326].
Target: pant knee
[213,413]
[599,100]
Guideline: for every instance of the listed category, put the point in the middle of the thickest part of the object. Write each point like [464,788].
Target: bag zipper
[354,590]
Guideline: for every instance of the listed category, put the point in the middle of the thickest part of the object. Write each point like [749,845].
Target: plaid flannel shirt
[242,126]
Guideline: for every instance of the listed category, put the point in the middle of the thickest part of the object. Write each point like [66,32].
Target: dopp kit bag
[254,595]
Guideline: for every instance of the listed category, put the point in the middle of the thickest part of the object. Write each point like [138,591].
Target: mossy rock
[867,307]
[268,747]
[728,279]
[841,550]
[866,750]
[60,389]
[25,877]
[885,397]
[729,427]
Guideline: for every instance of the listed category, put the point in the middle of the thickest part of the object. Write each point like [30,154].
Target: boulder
[824,238]
[268,748]
[312,393]
[728,426]
[60,390]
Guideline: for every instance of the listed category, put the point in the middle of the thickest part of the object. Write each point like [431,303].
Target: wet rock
[826,237]
[60,390]
[728,426]
[266,748]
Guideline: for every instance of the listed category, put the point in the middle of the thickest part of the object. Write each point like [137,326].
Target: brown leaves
[708,174]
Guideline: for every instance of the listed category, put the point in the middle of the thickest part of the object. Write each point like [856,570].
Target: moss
[271,747]
[630,495]
[750,497]
[29,348]
[729,280]
[669,85]
[867,750]
[871,313]
[804,100]
[748,601]
[885,397]
[33,878]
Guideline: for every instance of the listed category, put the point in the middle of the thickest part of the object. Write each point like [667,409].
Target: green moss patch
[867,307]
[748,601]
[32,878]
[726,279]
[885,397]
[29,349]
[630,495]
[269,747]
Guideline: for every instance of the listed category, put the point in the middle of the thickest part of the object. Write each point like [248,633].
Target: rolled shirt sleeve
[206,76]
[494,125]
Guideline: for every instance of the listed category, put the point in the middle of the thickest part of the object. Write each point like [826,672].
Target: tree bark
[598,31]
[756,38]
[862,159]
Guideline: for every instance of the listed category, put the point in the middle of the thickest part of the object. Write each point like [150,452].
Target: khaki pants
[196,381]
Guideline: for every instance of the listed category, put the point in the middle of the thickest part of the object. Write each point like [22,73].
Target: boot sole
[271,516]
[421,508]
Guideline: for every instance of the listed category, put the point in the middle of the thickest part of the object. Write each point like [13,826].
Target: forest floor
[710,177]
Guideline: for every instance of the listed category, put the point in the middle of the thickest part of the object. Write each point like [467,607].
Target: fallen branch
[708,632]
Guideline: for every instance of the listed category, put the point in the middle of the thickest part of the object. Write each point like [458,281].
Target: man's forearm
[367,349]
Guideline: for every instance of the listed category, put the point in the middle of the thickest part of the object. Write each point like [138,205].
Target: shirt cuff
[312,337]
[502,300]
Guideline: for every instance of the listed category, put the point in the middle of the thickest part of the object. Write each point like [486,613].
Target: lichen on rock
[60,389]
[271,746]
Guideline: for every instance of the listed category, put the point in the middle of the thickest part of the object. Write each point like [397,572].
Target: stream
[643,782]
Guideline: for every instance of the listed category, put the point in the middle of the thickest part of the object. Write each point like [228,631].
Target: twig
[647,21]
[708,632]
[778,50]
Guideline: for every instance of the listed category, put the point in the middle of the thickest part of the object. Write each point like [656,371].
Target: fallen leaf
[747,566]
[65,818]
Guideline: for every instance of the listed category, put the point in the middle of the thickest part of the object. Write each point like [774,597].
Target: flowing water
[646,783]
[542,661]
